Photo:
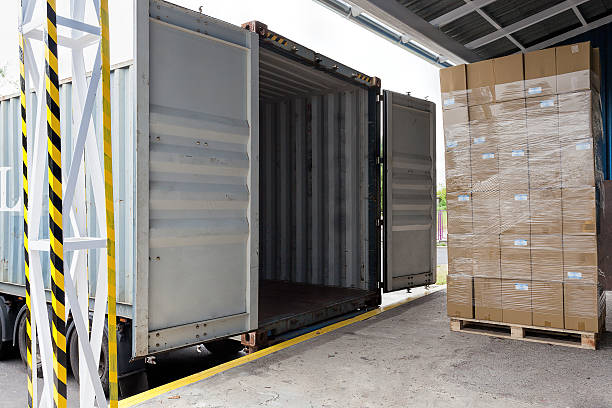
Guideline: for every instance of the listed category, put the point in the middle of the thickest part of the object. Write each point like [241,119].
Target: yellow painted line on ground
[171,386]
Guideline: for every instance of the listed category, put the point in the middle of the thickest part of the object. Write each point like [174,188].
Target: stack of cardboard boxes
[523,136]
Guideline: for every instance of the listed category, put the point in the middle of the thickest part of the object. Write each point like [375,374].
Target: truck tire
[73,355]
[6,348]
[23,351]
[226,347]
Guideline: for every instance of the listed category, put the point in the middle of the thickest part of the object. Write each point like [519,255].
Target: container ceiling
[281,77]
[471,30]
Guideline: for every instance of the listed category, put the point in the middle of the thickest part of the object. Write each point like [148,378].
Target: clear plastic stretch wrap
[523,170]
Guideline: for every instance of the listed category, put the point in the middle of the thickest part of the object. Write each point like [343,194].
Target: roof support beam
[519,25]
[460,12]
[576,31]
[406,21]
[498,27]
[579,15]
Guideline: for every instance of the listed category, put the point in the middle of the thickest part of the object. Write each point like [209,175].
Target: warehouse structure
[452,32]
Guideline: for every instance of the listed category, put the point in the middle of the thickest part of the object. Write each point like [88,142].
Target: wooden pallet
[546,335]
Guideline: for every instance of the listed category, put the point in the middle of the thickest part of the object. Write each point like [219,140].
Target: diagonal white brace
[83,336]
[82,135]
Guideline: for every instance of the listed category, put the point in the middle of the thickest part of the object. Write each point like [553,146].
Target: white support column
[75,33]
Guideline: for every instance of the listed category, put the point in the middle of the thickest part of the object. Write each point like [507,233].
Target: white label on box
[479,140]
[464,197]
[521,286]
[575,48]
[488,155]
[583,146]
[521,197]
[450,145]
[535,90]
[518,153]
[547,103]
[449,101]
[520,242]
[574,275]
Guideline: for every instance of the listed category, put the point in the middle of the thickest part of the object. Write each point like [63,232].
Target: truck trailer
[260,187]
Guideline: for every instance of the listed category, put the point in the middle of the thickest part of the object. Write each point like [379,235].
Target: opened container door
[409,203]
[202,209]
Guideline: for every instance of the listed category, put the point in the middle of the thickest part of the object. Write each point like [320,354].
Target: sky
[303,21]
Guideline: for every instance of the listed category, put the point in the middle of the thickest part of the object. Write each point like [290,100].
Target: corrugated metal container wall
[602,38]
[123,127]
[321,181]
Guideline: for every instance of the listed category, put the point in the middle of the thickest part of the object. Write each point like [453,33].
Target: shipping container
[248,186]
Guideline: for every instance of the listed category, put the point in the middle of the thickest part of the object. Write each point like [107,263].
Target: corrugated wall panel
[314,197]
[602,38]
[11,236]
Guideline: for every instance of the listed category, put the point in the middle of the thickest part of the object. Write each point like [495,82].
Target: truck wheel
[6,348]
[226,347]
[102,365]
[22,335]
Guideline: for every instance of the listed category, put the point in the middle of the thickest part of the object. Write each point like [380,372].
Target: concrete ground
[408,356]
[169,367]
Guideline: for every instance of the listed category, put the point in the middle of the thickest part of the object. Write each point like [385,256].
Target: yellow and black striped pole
[26,254]
[110,215]
[56,235]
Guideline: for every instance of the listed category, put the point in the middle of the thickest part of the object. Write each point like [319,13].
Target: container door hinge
[380,160]
[379,98]
[379,222]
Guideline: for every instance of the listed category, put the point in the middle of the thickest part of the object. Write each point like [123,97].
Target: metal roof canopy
[447,32]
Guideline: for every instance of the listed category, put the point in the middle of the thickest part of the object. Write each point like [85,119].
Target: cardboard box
[485,168]
[516,301]
[482,126]
[542,124]
[545,211]
[547,257]
[578,164]
[509,77]
[515,256]
[577,67]
[458,170]
[513,167]
[576,113]
[545,169]
[459,212]
[480,82]
[486,256]
[456,127]
[547,304]
[459,296]
[453,86]
[540,73]
[580,258]
[514,211]
[579,211]
[583,307]
[460,257]
[485,212]
[457,142]
[510,122]
[487,299]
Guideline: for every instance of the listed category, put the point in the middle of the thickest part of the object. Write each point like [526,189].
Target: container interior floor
[283,300]
[313,144]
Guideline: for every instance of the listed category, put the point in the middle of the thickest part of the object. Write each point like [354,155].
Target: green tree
[442,198]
